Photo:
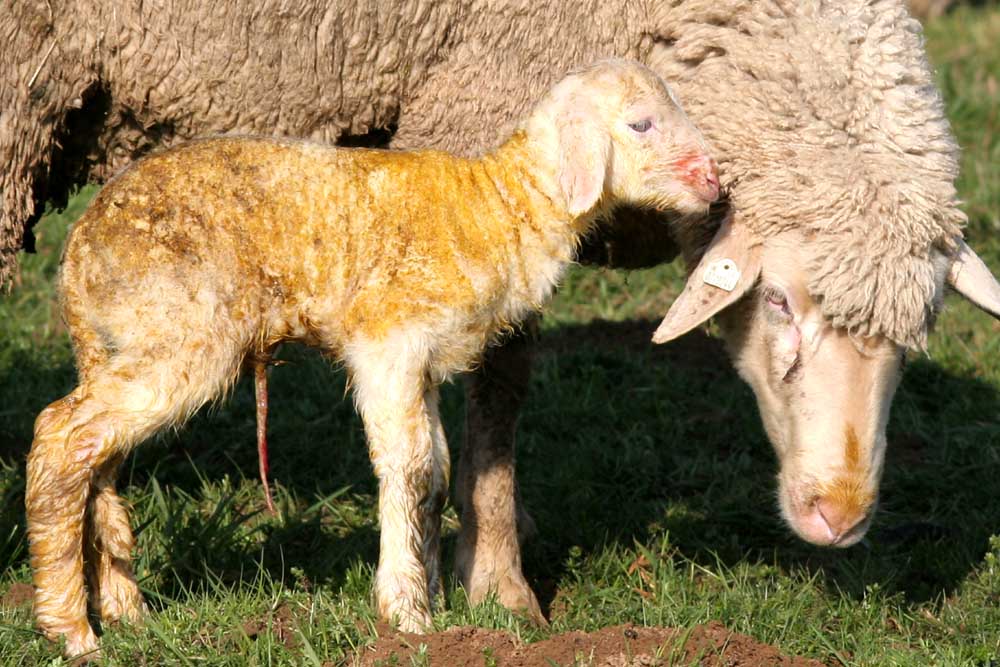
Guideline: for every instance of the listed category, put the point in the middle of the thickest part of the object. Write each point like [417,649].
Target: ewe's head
[841,167]
[616,134]
[824,398]
[824,395]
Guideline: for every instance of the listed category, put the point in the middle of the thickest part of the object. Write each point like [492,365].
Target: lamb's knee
[59,465]
[54,416]
[67,440]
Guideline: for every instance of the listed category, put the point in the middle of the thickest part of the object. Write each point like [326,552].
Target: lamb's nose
[712,181]
[703,177]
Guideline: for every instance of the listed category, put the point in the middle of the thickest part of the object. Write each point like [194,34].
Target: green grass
[628,454]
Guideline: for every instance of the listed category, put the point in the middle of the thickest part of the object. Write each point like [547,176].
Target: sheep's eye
[642,125]
[776,300]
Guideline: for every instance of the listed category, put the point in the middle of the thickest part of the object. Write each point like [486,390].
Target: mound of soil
[710,645]
[18,595]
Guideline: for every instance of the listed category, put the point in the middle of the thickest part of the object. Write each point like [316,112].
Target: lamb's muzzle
[702,175]
[196,261]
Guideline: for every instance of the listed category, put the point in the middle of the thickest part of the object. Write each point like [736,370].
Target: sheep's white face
[619,136]
[824,398]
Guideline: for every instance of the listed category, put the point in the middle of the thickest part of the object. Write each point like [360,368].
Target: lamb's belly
[457,354]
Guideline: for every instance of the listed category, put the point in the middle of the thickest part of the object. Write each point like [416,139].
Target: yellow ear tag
[722,273]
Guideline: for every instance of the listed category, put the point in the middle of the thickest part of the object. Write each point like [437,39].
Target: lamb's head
[824,394]
[614,133]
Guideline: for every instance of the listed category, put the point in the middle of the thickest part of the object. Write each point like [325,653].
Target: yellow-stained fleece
[302,241]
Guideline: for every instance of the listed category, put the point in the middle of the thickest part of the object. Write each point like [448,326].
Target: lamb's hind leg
[390,390]
[76,440]
[434,505]
[114,592]
[58,481]
[488,554]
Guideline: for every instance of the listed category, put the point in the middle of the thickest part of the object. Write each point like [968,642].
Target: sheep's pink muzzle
[828,523]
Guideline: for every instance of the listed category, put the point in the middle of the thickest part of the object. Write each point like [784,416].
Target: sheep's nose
[831,523]
[704,178]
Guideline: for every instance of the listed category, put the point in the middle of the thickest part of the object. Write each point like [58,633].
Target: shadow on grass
[622,440]
[619,441]
[197,511]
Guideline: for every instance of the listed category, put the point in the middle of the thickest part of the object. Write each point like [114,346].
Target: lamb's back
[290,231]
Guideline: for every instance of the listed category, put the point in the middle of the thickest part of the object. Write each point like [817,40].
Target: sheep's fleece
[841,133]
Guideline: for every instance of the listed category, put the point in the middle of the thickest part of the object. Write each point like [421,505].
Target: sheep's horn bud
[971,278]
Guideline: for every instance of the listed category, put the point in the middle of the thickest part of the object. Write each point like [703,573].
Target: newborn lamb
[194,262]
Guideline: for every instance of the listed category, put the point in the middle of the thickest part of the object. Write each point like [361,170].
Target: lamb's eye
[642,125]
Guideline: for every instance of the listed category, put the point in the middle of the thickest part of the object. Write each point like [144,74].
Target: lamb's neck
[544,236]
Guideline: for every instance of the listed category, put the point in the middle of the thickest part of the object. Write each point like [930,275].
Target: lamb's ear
[729,268]
[971,278]
[584,153]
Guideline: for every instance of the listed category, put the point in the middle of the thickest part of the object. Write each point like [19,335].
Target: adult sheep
[831,135]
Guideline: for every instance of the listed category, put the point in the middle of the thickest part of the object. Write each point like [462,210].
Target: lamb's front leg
[391,391]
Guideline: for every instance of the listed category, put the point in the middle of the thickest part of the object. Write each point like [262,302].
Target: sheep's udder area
[709,645]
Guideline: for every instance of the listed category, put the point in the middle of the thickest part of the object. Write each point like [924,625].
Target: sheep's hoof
[519,598]
[526,528]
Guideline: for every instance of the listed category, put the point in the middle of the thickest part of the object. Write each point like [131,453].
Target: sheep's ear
[728,268]
[584,152]
[971,278]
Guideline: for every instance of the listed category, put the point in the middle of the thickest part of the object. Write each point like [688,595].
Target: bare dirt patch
[18,595]
[710,645]
[280,622]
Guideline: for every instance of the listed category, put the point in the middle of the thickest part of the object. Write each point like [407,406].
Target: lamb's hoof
[405,615]
[82,648]
[125,606]
[513,592]
[415,623]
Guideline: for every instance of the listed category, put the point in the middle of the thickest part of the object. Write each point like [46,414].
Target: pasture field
[645,468]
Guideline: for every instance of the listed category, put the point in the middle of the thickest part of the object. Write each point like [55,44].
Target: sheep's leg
[434,504]
[114,592]
[260,392]
[76,439]
[488,555]
[390,391]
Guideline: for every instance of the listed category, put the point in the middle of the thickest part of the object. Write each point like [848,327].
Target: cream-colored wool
[403,265]
[841,135]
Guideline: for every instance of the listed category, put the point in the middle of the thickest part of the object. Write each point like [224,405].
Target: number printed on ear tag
[722,273]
